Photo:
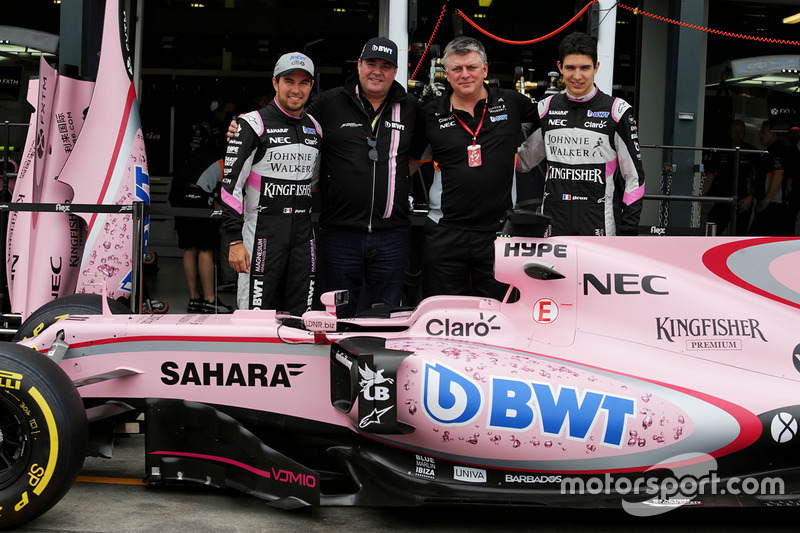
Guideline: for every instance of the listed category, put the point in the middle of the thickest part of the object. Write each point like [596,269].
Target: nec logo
[557,121]
[623,284]
[280,140]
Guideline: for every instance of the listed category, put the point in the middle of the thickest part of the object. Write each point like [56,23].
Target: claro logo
[437,327]
[229,374]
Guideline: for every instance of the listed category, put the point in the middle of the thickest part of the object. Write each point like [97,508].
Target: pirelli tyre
[42,434]
[74,304]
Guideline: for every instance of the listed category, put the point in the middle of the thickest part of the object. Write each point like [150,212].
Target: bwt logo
[388,50]
[597,114]
[143,195]
[452,399]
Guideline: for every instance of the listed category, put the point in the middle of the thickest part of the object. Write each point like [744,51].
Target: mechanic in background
[790,158]
[719,181]
[772,213]
[194,186]
[595,181]
[271,166]
[473,132]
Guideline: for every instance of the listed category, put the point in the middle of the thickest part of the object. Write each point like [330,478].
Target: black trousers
[459,261]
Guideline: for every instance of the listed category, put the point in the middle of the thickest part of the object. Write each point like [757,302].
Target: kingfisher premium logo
[695,329]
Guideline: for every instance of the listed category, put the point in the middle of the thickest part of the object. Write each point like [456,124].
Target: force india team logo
[452,399]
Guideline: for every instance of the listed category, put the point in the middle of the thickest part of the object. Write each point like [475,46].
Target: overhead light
[339,10]
[196,4]
[479,16]
[794,19]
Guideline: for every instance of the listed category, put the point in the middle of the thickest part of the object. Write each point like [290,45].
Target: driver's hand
[239,258]
[233,127]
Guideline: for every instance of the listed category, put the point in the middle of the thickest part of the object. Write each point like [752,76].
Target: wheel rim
[14,436]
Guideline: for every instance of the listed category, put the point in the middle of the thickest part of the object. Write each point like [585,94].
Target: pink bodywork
[68,160]
[647,348]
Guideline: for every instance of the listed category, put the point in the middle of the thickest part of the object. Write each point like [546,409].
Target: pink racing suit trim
[231,201]
[254,180]
[629,197]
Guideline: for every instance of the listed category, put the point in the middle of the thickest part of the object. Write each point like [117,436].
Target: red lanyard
[480,124]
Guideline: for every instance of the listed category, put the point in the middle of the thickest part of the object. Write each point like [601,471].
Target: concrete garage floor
[109,497]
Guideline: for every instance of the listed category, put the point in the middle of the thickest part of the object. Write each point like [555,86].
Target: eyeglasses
[373,152]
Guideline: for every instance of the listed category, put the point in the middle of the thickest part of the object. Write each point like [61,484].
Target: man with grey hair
[473,131]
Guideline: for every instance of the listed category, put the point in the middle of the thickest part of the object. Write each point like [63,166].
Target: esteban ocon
[271,167]
[594,183]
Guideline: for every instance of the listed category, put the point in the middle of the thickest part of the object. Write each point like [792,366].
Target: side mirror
[324,321]
[331,299]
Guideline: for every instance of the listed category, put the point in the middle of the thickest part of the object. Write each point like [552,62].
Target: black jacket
[356,191]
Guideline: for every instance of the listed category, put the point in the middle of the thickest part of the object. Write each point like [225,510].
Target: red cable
[637,11]
[425,52]
[562,28]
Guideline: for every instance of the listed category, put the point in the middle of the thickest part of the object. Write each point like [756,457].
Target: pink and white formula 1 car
[634,362]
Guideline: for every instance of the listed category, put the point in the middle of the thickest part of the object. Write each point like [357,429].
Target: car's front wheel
[73,304]
[42,434]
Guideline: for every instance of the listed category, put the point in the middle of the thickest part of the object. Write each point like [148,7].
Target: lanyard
[377,111]
[480,124]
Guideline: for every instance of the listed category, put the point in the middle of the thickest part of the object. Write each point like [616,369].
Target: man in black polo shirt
[473,132]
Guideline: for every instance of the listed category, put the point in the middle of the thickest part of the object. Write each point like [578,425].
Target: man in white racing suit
[270,170]
[595,182]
